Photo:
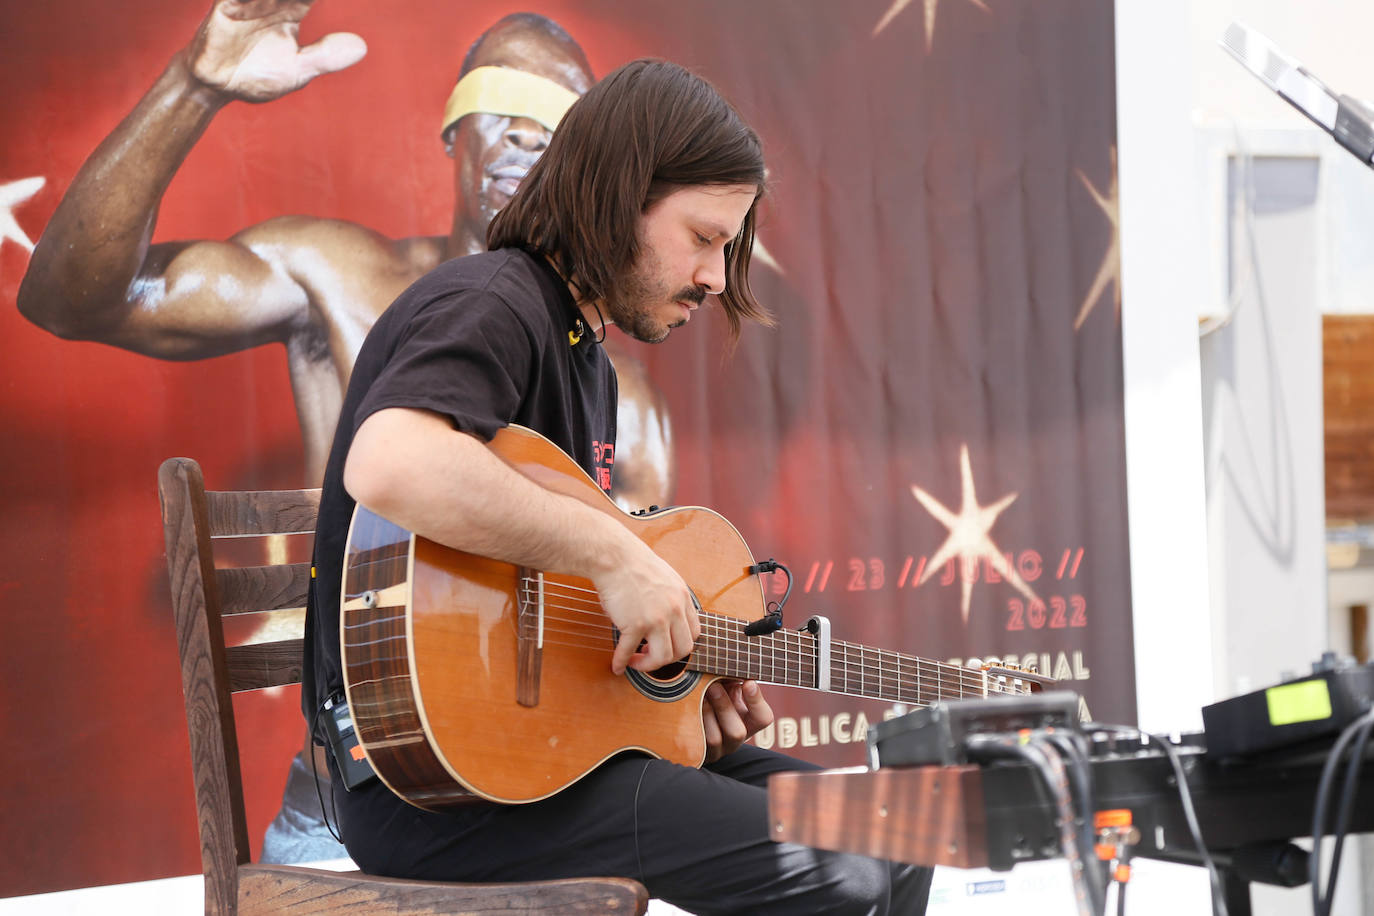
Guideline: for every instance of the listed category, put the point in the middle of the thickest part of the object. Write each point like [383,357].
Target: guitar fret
[883,688]
[789,658]
[756,660]
[897,677]
[889,686]
[892,686]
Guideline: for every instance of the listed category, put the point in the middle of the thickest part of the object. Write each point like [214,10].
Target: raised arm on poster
[94,274]
[314,285]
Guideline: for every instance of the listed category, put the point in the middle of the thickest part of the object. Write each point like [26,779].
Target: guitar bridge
[529,637]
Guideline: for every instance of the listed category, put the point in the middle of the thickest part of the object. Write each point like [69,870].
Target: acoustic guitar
[468,677]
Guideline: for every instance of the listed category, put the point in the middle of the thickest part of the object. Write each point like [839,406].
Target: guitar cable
[1123,874]
[1070,786]
[1035,747]
[1356,735]
[1185,796]
[771,621]
[1190,814]
[1074,748]
[315,771]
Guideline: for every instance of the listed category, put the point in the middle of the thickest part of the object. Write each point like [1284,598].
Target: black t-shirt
[484,341]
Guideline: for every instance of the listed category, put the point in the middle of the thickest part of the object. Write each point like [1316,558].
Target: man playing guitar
[643,204]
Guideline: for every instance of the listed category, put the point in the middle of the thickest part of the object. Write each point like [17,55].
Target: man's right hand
[248,50]
[649,603]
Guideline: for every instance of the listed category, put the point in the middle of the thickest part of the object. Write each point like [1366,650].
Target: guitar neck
[803,659]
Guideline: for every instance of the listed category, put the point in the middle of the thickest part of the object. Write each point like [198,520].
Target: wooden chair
[204,592]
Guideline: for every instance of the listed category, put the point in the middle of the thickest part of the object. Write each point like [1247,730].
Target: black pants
[697,838]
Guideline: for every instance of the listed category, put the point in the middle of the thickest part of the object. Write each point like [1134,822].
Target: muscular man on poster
[313,285]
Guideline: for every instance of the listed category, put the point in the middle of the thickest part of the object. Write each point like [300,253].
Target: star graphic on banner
[11,196]
[766,256]
[1110,269]
[930,7]
[968,539]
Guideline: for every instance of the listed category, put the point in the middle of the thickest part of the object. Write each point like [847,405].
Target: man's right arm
[94,274]
[412,468]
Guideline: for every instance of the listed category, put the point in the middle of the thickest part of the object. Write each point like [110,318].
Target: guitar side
[375,643]
[439,670]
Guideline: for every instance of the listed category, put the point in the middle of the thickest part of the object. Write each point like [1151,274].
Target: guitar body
[456,688]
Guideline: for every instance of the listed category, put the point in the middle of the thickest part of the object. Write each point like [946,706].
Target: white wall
[1262,396]
[1163,268]
[1177,90]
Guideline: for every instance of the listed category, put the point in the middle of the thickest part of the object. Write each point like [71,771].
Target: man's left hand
[733,711]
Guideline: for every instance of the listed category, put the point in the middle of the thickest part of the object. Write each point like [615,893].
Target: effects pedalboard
[1316,706]
[1256,775]
[940,733]
[1313,708]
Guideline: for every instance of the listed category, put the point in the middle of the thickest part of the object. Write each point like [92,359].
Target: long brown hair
[645,130]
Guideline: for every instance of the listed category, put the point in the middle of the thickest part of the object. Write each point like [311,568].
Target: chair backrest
[207,588]
[204,592]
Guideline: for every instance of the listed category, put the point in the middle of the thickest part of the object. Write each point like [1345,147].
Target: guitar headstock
[1020,680]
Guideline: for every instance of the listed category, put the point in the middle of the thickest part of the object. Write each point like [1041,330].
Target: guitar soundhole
[665,689]
[668,671]
[667,684]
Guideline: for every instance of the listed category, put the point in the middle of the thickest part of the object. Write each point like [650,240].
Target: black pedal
[354,769]
[1317,706]
[938,733]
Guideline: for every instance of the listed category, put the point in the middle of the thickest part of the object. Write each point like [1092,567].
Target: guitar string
[593,603]
[967,676]
[878,670]
[800,674]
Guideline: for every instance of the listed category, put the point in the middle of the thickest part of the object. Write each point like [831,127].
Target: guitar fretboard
[789,657]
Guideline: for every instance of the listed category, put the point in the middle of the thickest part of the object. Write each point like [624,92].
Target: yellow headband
[505,91]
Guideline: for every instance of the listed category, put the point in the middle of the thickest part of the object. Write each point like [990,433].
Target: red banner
[932,439]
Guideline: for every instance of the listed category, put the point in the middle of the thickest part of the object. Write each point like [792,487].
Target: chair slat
[247,589]
[249,513]
[264,664]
